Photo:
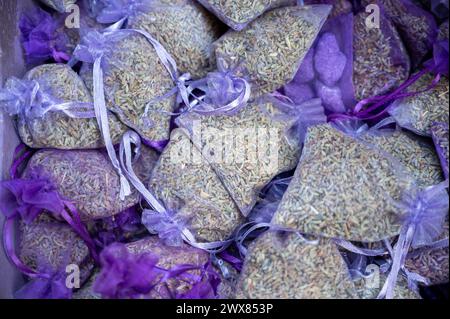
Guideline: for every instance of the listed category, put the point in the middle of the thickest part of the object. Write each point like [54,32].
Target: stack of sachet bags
[230,149]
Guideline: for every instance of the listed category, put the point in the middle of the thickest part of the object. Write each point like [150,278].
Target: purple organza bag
[439,133]
[268,52]
[54,109]
[192,193]
[87,179]
[237,14]
[48,247]
[42,38]
[249,148]
[59,5]
[132,76]
[416,26]
[380,60]
[173,24]
[287,266]
[326,72]
[148,269]
[349,179]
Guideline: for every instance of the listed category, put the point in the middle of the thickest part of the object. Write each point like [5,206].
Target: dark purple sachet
[416,26]
[41,39]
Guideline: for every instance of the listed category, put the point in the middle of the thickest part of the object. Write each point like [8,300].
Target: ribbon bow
[29,100]
[423,216]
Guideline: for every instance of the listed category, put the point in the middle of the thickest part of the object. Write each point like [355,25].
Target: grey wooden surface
[11,64]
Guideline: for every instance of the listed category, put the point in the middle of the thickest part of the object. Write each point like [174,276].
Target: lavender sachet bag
[54,109]
[416,26]
[132,76]
[363,206]
[249,148]
[193,193]
[380,60]
[151,270]
[269,51]
[287,266]
[86,178]
[48,246]
[326,71]
[418,112]
[237,14]
[183,27]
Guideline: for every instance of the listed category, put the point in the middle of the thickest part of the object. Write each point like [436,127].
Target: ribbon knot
[93,47]
[423,213]
[26,98]
[223,94]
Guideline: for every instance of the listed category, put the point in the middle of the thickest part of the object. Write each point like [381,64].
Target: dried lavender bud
[369,288]
[59,5]
[48,245]
[306,71]
[342,189]
[299,93]
[439,132]
[185,29]
[419,112]
[55,129]
[285,267]
[134,77]
[169,257]
[187,184]
[270,50]
[238,13]
[417,156]
[331,97]
[329,61]
[87,178]
[246,150]
[380,61]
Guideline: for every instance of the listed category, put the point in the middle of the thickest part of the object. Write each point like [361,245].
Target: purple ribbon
[18,160]
[384,100]
[424,214]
